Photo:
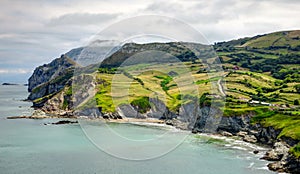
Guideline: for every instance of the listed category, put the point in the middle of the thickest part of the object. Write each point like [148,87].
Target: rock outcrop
[48,79]
[51,91]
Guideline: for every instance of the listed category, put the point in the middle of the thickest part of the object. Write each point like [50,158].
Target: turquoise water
[29,147]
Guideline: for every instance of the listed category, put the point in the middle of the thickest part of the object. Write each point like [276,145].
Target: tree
[296,102]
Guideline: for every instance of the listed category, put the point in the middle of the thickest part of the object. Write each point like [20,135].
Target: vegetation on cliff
[261,78]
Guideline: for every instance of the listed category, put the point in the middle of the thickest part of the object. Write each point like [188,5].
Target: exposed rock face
[292,164]
[50,78]
[89,112]
[127,110]
[158,109]
[85,89]
[46,72]
[283,161]
[234,124]
[189,113]
[209,120]
[48,84]
[267,135]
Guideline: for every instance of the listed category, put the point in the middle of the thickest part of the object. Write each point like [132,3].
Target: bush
[141,104]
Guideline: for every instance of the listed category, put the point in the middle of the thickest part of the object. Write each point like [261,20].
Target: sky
[34,32]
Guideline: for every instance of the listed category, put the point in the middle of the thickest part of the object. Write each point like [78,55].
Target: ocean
[29,146]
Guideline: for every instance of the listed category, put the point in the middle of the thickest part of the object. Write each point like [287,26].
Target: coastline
[267,152]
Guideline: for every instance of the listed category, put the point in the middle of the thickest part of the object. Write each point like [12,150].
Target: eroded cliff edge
[51,91]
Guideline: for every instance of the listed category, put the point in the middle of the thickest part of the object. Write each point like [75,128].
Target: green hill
[260,76]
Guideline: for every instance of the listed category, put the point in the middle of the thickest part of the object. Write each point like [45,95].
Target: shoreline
[236,142]
[154,122]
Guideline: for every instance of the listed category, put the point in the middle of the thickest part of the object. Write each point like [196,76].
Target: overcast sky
[34,32]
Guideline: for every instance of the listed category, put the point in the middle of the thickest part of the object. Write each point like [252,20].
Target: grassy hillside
[260,75]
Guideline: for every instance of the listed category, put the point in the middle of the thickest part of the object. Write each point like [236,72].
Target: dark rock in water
[16,117]
[194,131]
[169,122]
[9,84]
[255,151]
[65,122]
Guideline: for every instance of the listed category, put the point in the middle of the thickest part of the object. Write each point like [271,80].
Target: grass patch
[295,150]
[142,104]
[288,124]
[207,80]
[165,81]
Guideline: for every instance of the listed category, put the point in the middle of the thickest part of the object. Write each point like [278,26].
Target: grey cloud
[33,35]
[82,19]
[201,12]
[164,7]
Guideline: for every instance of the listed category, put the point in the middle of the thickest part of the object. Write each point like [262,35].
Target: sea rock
[17,117]
[38,112]
[242,134]
[13,84]
[250,138]
[276,166]
[65,122]
[178,124]
[278,152]
[226,134]
[256,151]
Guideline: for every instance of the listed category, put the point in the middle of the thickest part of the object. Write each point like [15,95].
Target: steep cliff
[52,90]
[49,79]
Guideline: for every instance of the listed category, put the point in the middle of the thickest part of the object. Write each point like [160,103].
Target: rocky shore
[281,160]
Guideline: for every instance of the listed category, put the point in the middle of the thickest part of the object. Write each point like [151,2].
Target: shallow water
[28,146]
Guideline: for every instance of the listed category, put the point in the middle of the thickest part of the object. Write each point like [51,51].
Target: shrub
[141,104]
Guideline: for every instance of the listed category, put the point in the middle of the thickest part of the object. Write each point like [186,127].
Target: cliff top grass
[290,125]
[295,150]
[144,80]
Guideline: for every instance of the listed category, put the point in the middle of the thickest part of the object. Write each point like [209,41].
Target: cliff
[49,79]
[89,93]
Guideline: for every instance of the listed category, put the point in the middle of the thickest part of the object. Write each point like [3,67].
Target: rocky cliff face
[50,87]
[48,79]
